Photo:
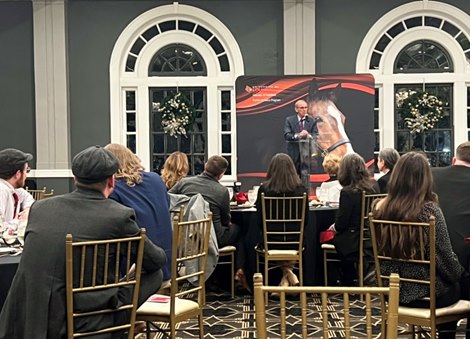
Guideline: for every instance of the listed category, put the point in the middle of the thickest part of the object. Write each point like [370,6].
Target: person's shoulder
[440,170]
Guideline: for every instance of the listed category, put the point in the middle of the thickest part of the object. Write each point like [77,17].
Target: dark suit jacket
[292,127]
[36,306]
[452,185]
[348,222]
[383,182]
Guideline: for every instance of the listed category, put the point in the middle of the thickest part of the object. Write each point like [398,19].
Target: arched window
[423,56]
[177,60]
[169,49]
[422,47]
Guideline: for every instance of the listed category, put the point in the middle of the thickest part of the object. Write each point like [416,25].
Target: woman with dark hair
[410,198]
[282,181]
[355,178]
[387,159]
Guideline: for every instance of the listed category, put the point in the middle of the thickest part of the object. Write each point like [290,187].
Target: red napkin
[241,198]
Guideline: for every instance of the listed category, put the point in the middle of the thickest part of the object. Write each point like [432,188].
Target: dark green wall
[17,126]
[341,25]
[94,26]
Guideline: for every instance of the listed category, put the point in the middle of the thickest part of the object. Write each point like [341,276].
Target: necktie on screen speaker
[301,123]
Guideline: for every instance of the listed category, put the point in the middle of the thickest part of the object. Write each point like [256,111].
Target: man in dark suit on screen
[452,185]
[299,129]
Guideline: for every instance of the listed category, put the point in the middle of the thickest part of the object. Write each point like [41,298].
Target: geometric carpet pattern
[225,317]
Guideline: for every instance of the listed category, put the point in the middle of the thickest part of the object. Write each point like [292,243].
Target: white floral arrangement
[420,110]
[177,114]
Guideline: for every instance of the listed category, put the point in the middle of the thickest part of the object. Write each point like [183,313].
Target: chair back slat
[389,310]
[40,193]
[367,201]
[94,266]
[189,249]
[425,255]
[283,221]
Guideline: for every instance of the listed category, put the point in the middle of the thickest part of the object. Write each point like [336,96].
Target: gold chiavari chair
[93,274]
[389,311]
[283,225]
[329,250]
[424,258]
[190,244]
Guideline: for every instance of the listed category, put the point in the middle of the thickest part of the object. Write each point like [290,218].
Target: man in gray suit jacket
[298,129]
[36,304]
[452,185]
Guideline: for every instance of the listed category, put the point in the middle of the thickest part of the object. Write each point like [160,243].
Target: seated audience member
[207,184]
[144,192]
[176,166]
[452,186]
[282,180]
[14,200]
[331,188]
[355,178]
[410,198]
[387,159]
[36,303]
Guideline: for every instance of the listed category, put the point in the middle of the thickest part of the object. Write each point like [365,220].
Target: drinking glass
[252,195]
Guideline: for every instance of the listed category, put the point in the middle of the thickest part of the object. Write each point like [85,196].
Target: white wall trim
[51,173]
[51,85]
[299,37]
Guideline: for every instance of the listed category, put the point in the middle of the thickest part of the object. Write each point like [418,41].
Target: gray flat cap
[12,159]
[94,164]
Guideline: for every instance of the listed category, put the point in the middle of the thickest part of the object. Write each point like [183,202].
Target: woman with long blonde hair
[146,193]
[176,167]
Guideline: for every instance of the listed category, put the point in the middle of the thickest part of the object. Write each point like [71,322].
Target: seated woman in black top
[282,180]
[387,159]
[355,178]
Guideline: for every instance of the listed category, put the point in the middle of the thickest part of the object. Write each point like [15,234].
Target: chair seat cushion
[274,253]
[163,308]
[460,307]
[227,249]
[328,247]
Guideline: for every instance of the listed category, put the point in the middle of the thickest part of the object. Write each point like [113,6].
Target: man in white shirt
[15,201]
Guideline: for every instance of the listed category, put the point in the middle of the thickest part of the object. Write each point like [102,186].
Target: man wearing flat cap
[36,303]
[15,201]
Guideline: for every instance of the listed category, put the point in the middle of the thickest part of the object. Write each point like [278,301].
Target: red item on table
[241,198]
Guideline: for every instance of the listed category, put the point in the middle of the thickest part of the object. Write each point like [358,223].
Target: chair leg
[201,325]
[172,329]
[325,267]
[266,279]
[232,258]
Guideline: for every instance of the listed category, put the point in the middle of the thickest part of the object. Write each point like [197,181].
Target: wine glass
[252,195]
[230,192]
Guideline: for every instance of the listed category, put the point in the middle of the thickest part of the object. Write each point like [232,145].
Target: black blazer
[348,222]
[452,185]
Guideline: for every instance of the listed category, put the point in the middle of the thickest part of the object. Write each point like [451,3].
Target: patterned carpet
[234,318]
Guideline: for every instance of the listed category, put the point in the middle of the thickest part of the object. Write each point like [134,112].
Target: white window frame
[385,78]
[215,81]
